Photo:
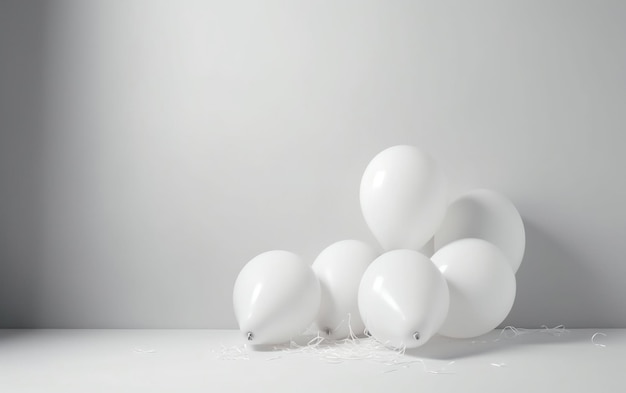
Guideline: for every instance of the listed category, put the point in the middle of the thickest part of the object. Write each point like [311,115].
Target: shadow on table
[444,348]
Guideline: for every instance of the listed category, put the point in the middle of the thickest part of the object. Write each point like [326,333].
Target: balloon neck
[416,336]
[250,336]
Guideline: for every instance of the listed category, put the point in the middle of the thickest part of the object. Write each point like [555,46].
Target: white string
[483,341]
[354,348]
[351,334]
[139,350]
[357,349]
[593,339]
[442,370]
[513,332]
[236,352]
[510,332]
[315,341]
[558,330]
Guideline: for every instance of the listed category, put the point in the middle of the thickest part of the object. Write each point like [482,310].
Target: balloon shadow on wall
[557,283]
[556,286]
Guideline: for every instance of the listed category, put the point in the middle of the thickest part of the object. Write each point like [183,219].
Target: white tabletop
[217,361]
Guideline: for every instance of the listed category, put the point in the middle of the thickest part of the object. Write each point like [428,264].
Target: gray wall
[149,149]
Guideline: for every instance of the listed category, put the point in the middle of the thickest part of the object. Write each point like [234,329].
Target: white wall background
[149,149]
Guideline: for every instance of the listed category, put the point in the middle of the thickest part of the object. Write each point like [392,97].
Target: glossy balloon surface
[403,299]
[487,215]
[276,296]
[403,197]
[339,269]
[481,283]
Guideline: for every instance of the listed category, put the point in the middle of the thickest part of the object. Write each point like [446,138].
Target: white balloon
[481,283]
[487,215]
[403,197]
[276,296]
[403,299]
[339,269]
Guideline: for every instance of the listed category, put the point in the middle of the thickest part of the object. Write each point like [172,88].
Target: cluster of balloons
[446,269]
